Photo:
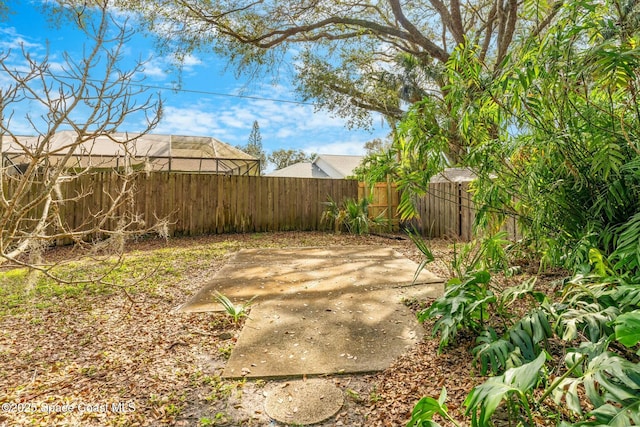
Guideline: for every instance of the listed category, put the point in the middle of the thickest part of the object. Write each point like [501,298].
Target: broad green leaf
[512,293]
[525,376]
[610,415]
[608,379]
[589,318]
[568,389]
[627,328]
[426,408]
[627,296]
[492,352]
[461,306]
[524,342]
[482,277]
[486,397]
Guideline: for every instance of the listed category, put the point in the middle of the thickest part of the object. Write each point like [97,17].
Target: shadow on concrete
[319,310]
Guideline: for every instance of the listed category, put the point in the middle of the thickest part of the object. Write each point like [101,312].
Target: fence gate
[384,202]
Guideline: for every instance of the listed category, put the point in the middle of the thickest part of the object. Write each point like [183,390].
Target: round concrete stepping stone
[303,402]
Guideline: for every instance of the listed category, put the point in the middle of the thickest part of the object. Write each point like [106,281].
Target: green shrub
[353,216]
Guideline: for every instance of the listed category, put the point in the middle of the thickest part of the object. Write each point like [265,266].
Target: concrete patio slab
[275,273]
[319,333]
[319,310]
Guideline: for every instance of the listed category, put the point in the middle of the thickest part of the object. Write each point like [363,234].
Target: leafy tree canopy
[376,146]
[283,157]
[254,146]
[353,57]
[570,171]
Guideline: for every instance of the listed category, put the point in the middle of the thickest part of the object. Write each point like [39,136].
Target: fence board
[467,212]
[219,206]
[384,199]
[199,203]
[447,211]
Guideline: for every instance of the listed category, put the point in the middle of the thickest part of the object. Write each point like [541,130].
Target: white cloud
[159,68]
[57,67]
[284,133]
[20,126]
[237,117]
[153,69]
[10,39]
[190,61]
[190,121]
[355,148]
[282,125]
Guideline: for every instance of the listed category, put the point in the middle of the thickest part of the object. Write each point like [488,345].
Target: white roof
[454,175]
[338,166]
[324,166]
[300,170]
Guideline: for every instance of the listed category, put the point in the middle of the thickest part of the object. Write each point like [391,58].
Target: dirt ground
[113,362]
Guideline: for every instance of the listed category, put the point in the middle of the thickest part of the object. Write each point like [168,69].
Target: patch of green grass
[14,276]
[222,390]
[225,350]
[12,284]
[374,396]
[353,395]
[21,289]
[171,404]
[220,418]
[138,272]
[89,371]
[172,410]
[198,378]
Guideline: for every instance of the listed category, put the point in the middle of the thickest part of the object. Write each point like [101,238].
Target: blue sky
[202,109]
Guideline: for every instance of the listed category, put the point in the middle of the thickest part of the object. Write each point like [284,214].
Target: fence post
[389,205]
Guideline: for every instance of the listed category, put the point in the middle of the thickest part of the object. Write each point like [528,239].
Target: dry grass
[115,363]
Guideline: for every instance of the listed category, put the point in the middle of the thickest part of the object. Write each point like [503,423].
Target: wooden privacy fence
[207,203]
[202,204]
[384,202]
[445,211]
[197,204]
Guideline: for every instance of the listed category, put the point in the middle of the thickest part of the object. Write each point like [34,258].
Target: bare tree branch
[68,110]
